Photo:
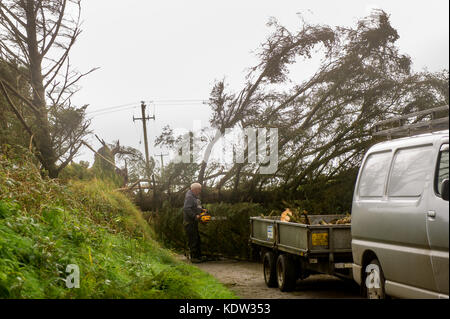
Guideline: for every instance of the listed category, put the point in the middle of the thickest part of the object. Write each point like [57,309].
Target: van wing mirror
[444,189]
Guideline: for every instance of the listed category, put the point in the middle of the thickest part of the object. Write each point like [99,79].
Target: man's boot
[196,260]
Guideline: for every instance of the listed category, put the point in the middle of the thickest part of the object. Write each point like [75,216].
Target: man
[191,215]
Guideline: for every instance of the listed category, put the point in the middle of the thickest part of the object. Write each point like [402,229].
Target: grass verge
[45,226]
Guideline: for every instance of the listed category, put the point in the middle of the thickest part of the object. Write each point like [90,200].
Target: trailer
[292,251]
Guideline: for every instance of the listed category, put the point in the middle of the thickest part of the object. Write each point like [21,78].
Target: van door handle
[431,214]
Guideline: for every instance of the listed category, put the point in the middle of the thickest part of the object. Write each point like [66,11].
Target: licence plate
[319,239]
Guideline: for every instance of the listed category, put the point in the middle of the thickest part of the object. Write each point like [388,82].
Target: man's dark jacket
[191,208]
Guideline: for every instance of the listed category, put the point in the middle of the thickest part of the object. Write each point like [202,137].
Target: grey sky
[175,50]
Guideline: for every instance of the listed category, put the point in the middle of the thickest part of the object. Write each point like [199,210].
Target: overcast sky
[167,50]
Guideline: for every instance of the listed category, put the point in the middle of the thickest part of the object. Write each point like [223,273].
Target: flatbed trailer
[292,251]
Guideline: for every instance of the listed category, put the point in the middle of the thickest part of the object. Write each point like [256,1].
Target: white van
[400,215]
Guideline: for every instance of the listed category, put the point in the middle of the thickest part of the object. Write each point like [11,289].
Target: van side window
[409,171]
[373,176]
[442,169]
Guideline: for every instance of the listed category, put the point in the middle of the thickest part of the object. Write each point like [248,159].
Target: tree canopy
[324,122]
[38,81]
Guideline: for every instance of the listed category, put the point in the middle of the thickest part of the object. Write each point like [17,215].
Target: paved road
[246,279]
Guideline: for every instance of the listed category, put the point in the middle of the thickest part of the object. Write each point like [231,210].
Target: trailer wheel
[374,281]
[270,275]
[286,275]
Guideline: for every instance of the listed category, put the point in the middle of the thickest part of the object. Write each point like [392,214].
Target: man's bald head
[196,188]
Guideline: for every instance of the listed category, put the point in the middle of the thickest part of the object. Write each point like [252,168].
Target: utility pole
[144,119]
[162,162]
[147,157]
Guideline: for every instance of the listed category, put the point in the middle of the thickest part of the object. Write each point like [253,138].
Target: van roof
[410,140]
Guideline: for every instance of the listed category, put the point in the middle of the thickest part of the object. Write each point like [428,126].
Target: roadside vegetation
[45,226]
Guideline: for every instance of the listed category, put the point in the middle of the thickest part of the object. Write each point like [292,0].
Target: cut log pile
[345,220]
[295,216]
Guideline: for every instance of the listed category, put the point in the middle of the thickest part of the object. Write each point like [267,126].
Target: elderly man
[191,215]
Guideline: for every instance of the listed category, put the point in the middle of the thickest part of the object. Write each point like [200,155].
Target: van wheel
[374,281]
[270,276]
[286,275]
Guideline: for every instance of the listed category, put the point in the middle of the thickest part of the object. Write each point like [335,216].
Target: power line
[112,107]
[178,101]
[114,111]
[154,102]
[176,104]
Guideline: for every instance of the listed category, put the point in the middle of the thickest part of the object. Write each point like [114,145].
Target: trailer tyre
[286,275]
[270,275]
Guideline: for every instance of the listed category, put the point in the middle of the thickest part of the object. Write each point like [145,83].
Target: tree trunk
[42,133]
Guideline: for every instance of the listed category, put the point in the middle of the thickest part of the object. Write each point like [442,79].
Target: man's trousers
[193,236]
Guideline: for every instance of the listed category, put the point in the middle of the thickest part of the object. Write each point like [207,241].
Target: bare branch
[20,96]
[58,26]
[11,25]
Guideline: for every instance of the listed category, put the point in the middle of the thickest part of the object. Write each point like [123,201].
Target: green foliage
[102,165]
[76,171]
[44,226]
[227,235]
[11,130]
[82,172]
[321,195]
[104,170]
